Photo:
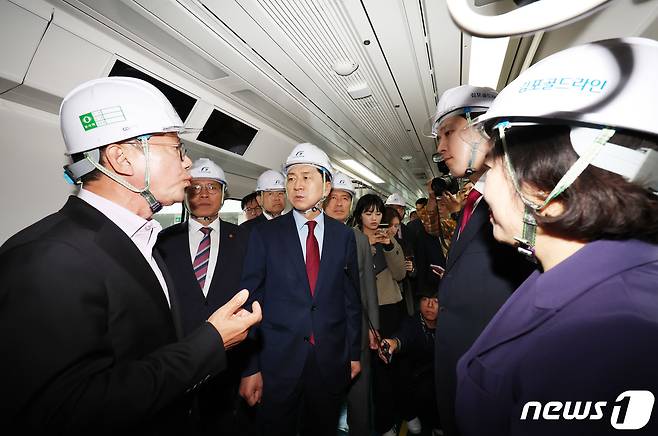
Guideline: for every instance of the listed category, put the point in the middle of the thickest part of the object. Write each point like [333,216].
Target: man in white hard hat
[480,273]
[310,338]
[204,256]
[271,197]
[91,334]
[338,206]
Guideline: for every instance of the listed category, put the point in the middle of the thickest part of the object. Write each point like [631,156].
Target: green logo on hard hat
[88,121]
[102,117]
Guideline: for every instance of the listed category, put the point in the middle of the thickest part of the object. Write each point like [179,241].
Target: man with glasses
[90,327]
[250,206]
[204,257]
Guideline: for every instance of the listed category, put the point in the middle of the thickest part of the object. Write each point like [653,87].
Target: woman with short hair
[572,184]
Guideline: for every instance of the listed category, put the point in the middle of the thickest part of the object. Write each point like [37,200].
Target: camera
[444,183]
[386,351]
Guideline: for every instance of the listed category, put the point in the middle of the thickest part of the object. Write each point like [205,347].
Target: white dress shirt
[143,233]
[195,237]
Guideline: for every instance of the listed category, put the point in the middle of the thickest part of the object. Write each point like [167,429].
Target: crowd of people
[527,275]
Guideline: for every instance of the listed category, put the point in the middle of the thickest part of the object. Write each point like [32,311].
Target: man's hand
[355,368]
[453,203]
[373,339]
[232,322]
[392,346]
[251,388]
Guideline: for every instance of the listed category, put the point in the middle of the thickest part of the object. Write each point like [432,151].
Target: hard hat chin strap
[145,192]
[473,146]
[526,243]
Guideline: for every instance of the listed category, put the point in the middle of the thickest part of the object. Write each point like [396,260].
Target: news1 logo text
[630,411]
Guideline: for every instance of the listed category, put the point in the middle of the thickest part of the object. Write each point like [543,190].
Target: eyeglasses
[211,188]
[252,209]
[180,146]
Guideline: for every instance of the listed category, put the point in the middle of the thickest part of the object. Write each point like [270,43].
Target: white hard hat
[309,154]
[343,183]
[205,168]
[113,109]
[395,199]
[457,100]
[604,83]
[610,83]
[271,180]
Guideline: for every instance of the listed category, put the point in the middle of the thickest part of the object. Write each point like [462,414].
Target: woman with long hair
[389,269]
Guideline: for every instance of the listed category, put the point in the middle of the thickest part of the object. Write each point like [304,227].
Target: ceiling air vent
[182,102]
[227,133]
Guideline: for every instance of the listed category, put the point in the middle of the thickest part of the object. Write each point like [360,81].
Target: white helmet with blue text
[204,168]
[595,88]
[271,180]
[460,100]
[342,182]
[309,154]
[604,84]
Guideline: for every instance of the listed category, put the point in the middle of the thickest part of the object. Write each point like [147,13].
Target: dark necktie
[468,208]
[202,257]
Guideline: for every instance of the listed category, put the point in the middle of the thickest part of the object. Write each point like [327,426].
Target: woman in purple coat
[572,184]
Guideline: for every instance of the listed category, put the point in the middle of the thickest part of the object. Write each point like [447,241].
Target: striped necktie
[200,264]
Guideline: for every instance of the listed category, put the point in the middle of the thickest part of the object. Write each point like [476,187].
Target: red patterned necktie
[312,256]
[202,257]
[312,262]
[468,208]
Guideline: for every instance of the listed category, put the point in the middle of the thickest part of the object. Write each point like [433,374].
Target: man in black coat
[480,273]
[413,345]
[90,334]
[204,256]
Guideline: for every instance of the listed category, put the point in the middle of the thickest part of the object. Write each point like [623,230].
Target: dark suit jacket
[275,273]
[88,343]
[247,226]
[174,245]
[480,275]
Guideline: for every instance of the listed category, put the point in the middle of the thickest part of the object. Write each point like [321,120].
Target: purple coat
[586,330]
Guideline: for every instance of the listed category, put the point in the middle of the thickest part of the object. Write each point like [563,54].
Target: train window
[231,211]
[170,215]
[227,133]
[182,102]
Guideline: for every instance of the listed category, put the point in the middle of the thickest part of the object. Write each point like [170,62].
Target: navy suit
[480,275]
[248,225]
[275,273]
[173,243]
[218,399]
